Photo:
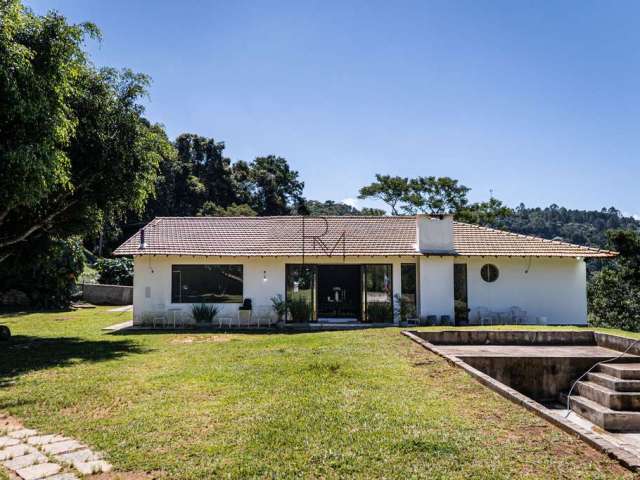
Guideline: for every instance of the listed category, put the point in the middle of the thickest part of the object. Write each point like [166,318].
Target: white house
[356,269]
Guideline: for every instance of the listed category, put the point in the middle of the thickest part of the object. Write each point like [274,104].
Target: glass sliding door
[378,293]
[301,293]
[461,302]
[408,289]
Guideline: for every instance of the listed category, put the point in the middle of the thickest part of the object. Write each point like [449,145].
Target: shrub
[115,271]
[614,292]
[46,269]
[405,308]
[300,310]
[204,313]
[279,306]
[379,312]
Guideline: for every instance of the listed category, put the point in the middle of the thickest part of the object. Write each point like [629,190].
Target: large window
[301,286]
[206,284]
[461,303]
[408,287]
[378,293]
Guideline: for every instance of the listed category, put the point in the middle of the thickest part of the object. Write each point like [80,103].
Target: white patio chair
[483,316]
[262,314]
[158,314]
[173,317]
[518,315]
[227,317]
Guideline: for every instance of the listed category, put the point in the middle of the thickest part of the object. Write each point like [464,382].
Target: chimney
[143,244]
[434,233]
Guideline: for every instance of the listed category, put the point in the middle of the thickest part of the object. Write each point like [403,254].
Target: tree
[271,186]
[435,196]
[391,190]
[39,57]
[210,209]
[484,213]
[47,272]
[115,271]
[104,162]
[614,292]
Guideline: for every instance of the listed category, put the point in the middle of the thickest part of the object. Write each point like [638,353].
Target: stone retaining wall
[107,294]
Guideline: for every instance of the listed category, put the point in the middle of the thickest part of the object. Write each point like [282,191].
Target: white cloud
[635,216]
[352,202]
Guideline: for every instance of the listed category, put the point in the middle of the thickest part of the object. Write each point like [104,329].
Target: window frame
[489,267]
[175,301]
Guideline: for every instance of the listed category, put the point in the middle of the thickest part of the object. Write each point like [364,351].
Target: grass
[360,404]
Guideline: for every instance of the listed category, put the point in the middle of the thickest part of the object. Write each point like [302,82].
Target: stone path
[31,455]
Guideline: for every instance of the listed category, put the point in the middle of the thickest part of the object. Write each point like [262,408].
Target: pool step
[614,383]
[628,401]
[606,418]
[624,371]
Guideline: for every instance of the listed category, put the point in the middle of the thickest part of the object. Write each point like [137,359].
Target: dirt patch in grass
[202,339]
[9,422]
[127,476]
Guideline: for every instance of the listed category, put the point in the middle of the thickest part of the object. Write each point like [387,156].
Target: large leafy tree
[435,195]
[269,185]
[198,174]
[75,149]
[391,190]
[614,292]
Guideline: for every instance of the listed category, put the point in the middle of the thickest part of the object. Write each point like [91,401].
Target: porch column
[436,286]
[397,289]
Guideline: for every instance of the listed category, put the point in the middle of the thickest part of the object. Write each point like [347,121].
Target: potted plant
[279,306]
[204,314]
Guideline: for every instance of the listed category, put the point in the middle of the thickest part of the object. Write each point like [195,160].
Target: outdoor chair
[262,314]
[173,317]
[518,315]
[226,317]
[158,315]
[483,316]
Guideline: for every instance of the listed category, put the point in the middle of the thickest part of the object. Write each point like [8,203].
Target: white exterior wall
[154,273]
[435,280]
[555,288]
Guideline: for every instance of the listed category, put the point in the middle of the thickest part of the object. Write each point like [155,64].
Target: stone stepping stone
[25,461]
[8,441]
[63,476]
[89,468]
[23,433]
[84,455]
[62,447]
[38,472]
[43,439]
[14,451]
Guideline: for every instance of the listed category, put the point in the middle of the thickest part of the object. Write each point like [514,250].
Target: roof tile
[351,235]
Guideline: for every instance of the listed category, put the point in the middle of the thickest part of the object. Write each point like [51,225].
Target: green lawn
[367,404]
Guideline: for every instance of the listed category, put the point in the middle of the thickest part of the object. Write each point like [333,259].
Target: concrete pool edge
[625,457]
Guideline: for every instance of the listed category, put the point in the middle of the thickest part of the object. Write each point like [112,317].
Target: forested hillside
[584,227]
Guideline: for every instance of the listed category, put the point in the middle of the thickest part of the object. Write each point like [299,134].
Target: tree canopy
[75,148]
[432,195]
[614,291]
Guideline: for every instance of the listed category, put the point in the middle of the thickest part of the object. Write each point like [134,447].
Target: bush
[613,302]
[115,271]
[279,306]
[379,312]
[204,313]
[614,292]
[405,309]
[300,310]
[46,269]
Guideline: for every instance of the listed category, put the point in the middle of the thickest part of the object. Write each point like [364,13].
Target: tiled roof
[351,235]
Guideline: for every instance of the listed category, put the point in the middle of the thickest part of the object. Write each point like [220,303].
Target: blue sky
[537,101]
